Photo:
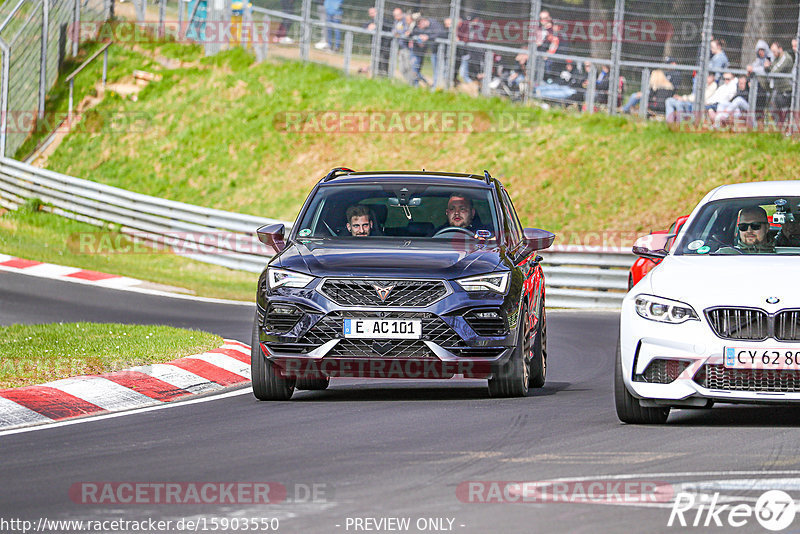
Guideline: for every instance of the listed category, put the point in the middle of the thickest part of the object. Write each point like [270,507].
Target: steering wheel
[448,229]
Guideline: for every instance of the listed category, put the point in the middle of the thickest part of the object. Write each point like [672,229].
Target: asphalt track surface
[388,448]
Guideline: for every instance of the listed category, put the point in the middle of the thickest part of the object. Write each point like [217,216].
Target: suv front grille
[787,325]
[739,323]
[390,348]
[770,380]
[662,371]
[397,293]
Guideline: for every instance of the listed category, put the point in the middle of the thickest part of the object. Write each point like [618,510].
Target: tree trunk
[758,26]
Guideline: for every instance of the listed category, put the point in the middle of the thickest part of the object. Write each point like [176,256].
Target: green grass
[214,137]
[33,354]
[32,234]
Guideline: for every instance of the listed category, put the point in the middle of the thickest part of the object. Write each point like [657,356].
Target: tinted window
[757,225]
[398,211]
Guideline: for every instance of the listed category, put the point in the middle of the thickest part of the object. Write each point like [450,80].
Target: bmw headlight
[664,310]
[496,282]
[283,278]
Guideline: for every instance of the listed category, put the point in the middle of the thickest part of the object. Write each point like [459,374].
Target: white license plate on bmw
[378,328]
[751,358]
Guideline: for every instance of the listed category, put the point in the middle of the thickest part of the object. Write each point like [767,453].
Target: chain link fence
[645,57]
[35,37]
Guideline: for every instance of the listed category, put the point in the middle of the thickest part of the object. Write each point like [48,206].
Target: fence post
[591,83]
[376,39]
[533,52]
[440,67]
[43,58]
[305,39]
[455,12]
[616,53]
[162,6]
[393,51]
[4,97]
[488,67]
[645,93]
[700,81]
[752,98]
[76,24]
[348,52]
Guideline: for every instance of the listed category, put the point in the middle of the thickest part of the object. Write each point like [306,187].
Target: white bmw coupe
[718,320]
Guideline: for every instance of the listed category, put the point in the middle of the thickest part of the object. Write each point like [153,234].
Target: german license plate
[377,328]
[750,358]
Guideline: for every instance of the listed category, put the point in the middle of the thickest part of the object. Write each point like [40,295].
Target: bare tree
[758,26]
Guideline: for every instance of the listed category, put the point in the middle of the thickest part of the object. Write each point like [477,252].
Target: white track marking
[102,392]
[48,270]
[180,378]
[231,365]
[12,413]
[161,406]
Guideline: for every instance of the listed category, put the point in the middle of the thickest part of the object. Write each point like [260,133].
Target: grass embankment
[214,137]
[33,354]
[32,234]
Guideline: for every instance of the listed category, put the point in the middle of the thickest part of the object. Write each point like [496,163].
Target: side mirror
[536,239]
[653,246]
[272,236]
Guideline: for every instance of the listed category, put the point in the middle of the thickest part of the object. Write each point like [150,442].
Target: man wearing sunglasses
[752,231]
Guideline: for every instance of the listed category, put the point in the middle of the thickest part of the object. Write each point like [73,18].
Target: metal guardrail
[576,277]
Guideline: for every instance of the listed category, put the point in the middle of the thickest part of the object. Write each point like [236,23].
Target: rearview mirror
[272,236]
[653,246]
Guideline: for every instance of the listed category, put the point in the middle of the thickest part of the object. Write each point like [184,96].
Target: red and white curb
[132,388]
[72,274]
[85,276]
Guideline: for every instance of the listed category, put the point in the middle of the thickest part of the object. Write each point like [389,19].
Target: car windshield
[756,225]
[392,211]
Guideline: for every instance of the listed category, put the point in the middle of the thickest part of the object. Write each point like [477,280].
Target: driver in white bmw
[752,229]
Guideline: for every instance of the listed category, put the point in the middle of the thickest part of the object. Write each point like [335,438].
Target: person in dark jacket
[781,97]
[422,41]
[660,90]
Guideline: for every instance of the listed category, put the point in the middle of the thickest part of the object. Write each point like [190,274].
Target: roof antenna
[487,176]
[423,169]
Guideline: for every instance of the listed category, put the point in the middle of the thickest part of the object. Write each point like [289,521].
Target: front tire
[268,383]
[539,354]
[511,380]
[628,408]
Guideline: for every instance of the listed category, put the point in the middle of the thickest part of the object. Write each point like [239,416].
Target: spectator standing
[719,60]
[333,14]
[782,87]
[423,41]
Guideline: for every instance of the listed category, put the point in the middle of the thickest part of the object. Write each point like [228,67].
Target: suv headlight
[283,278]
[496,282]
[664,310]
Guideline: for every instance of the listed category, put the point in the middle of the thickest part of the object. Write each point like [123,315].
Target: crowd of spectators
[671,90]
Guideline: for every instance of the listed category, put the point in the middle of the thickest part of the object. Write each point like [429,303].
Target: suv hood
[401,258]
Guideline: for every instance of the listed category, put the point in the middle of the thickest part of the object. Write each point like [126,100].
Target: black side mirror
[272,236]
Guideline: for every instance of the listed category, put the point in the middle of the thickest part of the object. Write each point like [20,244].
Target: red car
[642,266]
